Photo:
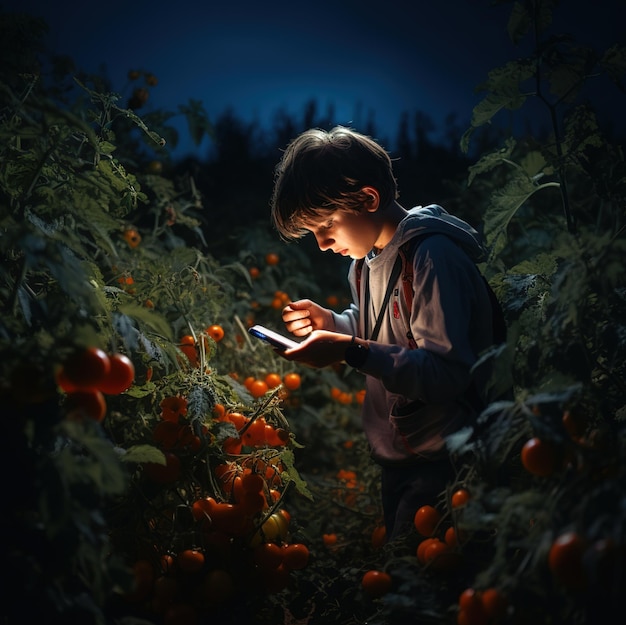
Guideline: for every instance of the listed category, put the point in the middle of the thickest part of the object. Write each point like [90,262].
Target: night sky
[367,59]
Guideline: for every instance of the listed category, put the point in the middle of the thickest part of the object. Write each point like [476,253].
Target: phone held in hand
[276,340]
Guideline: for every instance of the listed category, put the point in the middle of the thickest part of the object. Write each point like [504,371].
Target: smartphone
[278,341]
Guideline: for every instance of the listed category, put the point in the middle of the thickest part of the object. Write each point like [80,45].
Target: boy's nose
[324,243]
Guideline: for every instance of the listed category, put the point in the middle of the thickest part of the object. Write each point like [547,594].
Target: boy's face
[347,232]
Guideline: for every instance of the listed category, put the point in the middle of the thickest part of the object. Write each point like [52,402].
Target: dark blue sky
[363,57]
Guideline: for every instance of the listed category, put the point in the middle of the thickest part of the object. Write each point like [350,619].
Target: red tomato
[539,457]
[426,520]
[292,381]
[273,380]
[495,604]
[201,509]
[87,402]
[258,388]
[296,556]
[450,537]
[376,583]
[421,549]
[460,497]
[190,560]
[254,436]
[268,555]
[216,332]
[565,560]
[253,483]
[471,608]
[120,375]
[86,368]
[379,536]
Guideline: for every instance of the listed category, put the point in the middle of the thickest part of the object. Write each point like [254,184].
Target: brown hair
[323,171]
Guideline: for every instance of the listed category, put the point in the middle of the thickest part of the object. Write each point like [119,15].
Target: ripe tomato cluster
[350,488]
[481,607]
[87,375]
[251,432]
[440,553]
[346,397]
[257,387]
[196,349]
[240,531]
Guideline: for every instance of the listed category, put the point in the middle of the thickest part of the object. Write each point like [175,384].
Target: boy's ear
[372,199]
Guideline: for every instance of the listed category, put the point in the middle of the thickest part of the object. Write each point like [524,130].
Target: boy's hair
[323,171]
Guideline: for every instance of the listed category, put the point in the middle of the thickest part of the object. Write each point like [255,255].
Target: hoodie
[415,397]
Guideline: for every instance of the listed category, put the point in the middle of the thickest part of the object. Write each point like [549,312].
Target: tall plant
[555,219]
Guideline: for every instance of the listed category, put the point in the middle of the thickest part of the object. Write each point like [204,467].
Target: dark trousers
[407,488]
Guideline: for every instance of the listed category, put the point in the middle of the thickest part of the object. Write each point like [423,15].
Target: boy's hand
[321,349]
[304,316]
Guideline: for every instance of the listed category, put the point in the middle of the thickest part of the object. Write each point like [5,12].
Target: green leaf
[519,23]
[142,453]
[153,321]
[197,120]
[487,162]
[141,391]
[105,147]
[97,461]
[288,459]
[613,62]
[504,204]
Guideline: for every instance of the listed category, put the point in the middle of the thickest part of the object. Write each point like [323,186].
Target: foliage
[107,244]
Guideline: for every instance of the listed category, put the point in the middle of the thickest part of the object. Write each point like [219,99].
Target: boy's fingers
[300,304]
[293,314]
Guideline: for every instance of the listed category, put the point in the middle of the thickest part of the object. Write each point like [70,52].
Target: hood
[433,219]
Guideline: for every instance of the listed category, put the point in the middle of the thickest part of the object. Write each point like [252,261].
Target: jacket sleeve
[449,296]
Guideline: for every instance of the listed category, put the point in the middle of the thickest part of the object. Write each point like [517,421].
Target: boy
[420,382]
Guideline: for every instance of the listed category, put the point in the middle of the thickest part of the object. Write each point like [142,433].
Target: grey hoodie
[415,397]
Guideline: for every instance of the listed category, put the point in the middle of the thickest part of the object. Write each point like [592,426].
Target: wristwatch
[356,355]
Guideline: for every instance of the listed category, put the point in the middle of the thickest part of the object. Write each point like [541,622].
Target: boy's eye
[328,225]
